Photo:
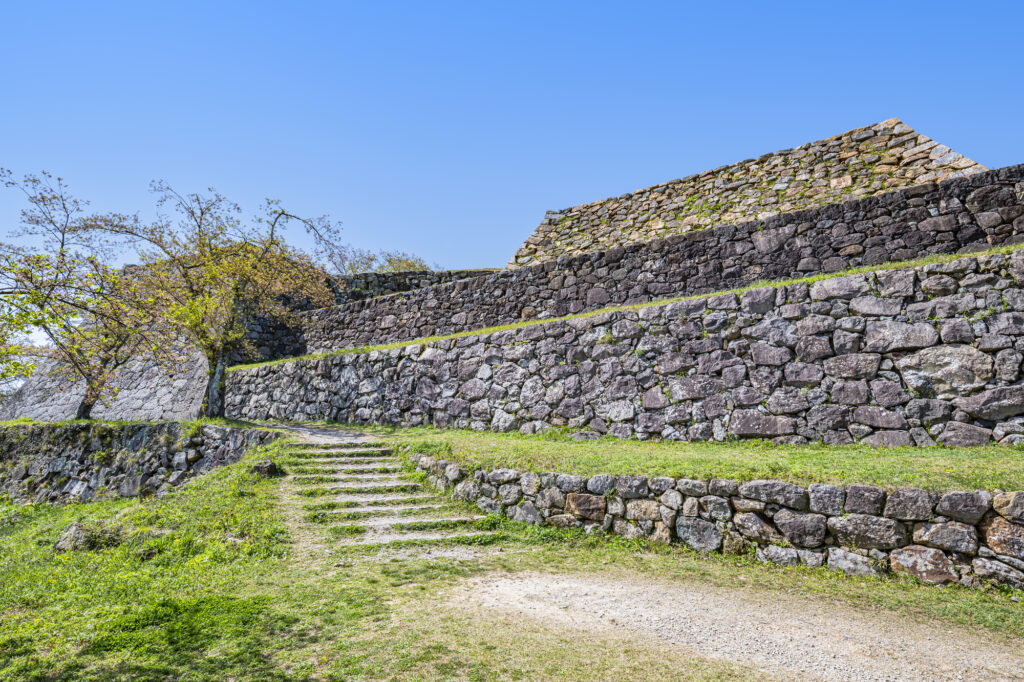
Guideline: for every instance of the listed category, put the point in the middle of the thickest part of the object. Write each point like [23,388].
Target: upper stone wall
[372,284]
[858,163]
[901,357]
[975,212]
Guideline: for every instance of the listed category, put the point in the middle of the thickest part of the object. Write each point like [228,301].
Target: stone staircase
[362,494]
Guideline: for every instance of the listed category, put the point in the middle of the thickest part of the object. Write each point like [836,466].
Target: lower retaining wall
[965,537]
[894,358]
[78,462]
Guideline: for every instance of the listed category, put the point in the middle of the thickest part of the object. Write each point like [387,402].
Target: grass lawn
[220,581]
[934,468]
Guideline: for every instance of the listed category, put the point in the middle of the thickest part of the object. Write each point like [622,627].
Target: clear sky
[448,128]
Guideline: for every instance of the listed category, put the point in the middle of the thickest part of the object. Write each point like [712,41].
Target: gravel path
[780,634]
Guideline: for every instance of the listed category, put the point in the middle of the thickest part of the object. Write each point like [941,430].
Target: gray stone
[886,336]
[804,530]
[1010,506]
[879,418]
[643,510]
[826,499]
[672,499]
[74,538]
[774,554]
[526,513]
[990,569]
[864,499]
[753,526]
[953,536]
[693,488]
[551,498]
[716,507]
[847,287]
[850,563]
[568,483]
[698,534]
[923,563]
[601,484]
[629,487]
[510,494]
[946,372]
[966,506]
[775,492]
[753,423]
[502,476]
[958,434]
[909,504]
[868,532]
[722,487]
[853,366]
[994,404]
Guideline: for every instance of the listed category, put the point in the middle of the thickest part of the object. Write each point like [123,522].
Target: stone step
[348,478]
[385,509]
[417,537]
[388,521]
[334,446]
[339,461]
[376,498]
[341,468]
[348,452]
[372,487]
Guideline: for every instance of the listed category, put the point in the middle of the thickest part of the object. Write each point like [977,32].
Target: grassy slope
[223,596]
[935,468]
[938,258]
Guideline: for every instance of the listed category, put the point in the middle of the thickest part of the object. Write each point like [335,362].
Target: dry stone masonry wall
[372,284]
[966,537]
[858,163]
[982,210]
[78,462]
[898,357]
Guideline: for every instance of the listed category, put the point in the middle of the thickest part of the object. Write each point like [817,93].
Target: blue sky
[447,129]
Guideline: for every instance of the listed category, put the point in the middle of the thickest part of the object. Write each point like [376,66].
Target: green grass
[210,583]
[936,468]
[927,260]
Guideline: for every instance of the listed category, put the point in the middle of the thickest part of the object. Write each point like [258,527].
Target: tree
[60,285]
[348,260]
[206,273]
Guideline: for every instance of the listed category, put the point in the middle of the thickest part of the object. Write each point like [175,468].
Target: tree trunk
[215,387]
[85,408]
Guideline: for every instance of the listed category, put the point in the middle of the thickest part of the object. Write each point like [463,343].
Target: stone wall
[372,284]
[898,357]
[965,213]
[147,391]
[858,163]
[967,537]
[78,461]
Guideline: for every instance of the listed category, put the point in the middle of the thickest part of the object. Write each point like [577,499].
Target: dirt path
[791,637]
